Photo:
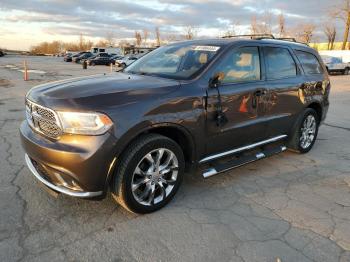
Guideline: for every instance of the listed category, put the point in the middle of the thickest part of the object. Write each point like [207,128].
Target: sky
[24,23]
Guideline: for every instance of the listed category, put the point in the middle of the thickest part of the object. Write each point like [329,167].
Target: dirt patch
[5,83]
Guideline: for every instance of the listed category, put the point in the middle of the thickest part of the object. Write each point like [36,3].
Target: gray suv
[210,104]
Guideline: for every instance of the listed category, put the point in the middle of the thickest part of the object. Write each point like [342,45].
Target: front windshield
[180,61]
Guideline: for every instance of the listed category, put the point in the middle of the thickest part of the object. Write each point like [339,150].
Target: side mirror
[215,81]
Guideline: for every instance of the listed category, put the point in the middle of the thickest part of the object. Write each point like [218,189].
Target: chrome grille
[44,113]
[42,119]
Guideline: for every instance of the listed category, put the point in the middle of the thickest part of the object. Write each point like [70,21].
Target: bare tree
[81,42]
[190,32]
[261,27]
[157,36]
[145,36]
[342,12]
[281,25]
[267,23]
[102,43]
[171,37]
[330,32]
[304,32]
[231,30]
[138,38]
[110,39]
[254,25]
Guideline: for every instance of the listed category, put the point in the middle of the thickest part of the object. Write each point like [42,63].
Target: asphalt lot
[293,207]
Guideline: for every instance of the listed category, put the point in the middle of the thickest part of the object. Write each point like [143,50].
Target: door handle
[260,92]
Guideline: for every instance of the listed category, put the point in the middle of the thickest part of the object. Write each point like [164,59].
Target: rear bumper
[74,165]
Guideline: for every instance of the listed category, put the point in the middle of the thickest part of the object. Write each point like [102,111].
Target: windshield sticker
[209,48]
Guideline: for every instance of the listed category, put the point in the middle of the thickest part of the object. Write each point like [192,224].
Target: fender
[143,128]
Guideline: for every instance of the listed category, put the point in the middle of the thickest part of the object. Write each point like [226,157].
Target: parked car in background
[82,57]
[71,57]
[336,65]
[100,59]
[114,58]
[125,61]
[219,102]
[67,57]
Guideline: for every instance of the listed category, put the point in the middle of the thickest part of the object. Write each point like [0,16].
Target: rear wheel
[346,71]
[149,174]
[305,132]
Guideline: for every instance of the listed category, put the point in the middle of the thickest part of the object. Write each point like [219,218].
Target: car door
[239,95]
[284,80]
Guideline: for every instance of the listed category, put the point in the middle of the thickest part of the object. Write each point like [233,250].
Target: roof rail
[266,36]
[253,36]
[291,39]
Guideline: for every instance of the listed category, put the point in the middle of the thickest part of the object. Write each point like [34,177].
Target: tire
[298,139]
[123,65]
[134,166]
[93,64]
[346,71]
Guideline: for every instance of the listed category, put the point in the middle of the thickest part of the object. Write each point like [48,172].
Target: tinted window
[309,62]
[241,65]
[279,62]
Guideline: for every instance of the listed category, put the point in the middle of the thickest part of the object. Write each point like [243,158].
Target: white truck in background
[336,61]
[108,50]
[336,65]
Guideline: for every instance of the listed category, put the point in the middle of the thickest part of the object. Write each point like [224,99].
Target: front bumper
[74,165]
[60,189]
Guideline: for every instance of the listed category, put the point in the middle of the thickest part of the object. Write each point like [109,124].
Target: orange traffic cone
[243,106]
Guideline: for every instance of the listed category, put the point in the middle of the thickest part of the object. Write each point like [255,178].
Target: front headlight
[84,123]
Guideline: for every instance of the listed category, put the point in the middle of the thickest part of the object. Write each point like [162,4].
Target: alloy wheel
[308,131]
[154,177]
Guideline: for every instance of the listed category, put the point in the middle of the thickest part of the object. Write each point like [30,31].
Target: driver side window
[241,65]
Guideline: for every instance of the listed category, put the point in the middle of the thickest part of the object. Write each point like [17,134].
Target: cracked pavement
[292,207]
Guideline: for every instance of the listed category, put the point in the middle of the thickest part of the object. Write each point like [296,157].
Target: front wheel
[149,174]
[346,71]
[305,131]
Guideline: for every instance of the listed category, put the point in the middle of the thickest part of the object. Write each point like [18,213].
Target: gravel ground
[293,207]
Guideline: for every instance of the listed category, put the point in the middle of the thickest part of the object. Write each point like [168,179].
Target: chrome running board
[242,161]
[244,148]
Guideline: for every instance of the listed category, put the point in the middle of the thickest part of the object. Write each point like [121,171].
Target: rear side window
[279,63]
[309,62]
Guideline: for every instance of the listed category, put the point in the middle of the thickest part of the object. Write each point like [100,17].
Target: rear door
[241,92]
[284,79]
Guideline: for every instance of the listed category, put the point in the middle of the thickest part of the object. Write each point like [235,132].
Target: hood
[100,91]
